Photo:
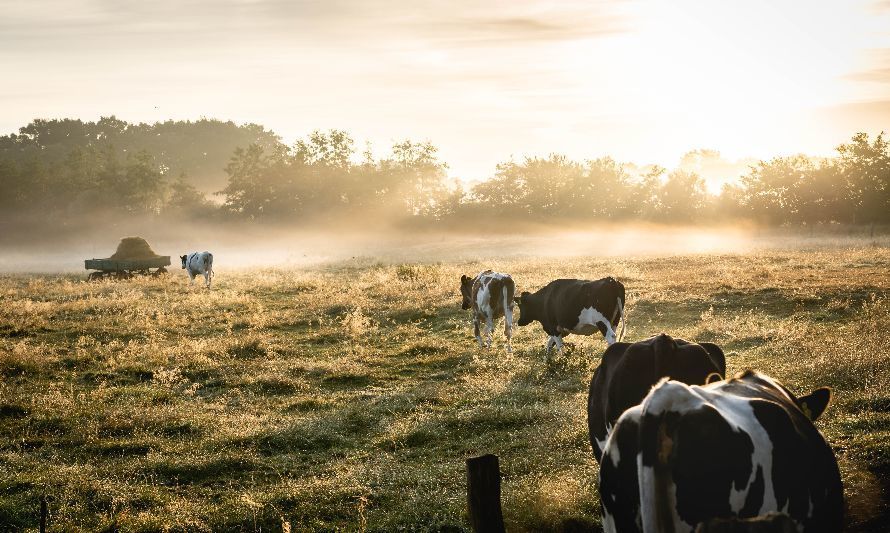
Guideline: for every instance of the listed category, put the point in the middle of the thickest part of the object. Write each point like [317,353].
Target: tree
[248,192]
[418,175]
[772,189]
[866,167]
[682,197]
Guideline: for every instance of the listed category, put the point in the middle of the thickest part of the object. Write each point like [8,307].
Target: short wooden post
[43,513]
[484,494]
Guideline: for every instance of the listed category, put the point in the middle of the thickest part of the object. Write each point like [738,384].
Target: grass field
[348,396]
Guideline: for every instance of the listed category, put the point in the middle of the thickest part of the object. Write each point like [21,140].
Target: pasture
[347,396]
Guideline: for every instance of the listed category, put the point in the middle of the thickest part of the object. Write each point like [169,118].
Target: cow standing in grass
[628,371]
[576,306]
[490,295]
[197,263]
[740,448]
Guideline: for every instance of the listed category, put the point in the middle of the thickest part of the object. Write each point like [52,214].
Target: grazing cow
[490,295]
[628,371]
[741,448]
[197,263]
[575,306]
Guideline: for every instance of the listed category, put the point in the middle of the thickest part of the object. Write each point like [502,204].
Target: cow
[628,371]
[490,295]
[739,448]
[577,306]
[197,263]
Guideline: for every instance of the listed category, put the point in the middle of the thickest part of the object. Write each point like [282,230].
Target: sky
[644,81]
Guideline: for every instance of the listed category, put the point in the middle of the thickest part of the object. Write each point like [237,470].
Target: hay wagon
[133,257]
[126,269]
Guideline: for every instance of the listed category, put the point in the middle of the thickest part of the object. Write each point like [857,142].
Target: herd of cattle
[680,447]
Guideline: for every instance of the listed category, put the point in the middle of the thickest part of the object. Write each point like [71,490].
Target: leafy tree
[866,166]
[682,197]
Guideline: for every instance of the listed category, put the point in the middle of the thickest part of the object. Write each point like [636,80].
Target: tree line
[64,169]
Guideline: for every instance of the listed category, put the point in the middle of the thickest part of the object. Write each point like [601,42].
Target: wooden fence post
[484,494]
[43,513]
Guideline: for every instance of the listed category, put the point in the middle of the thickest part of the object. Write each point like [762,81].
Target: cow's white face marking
[587,324]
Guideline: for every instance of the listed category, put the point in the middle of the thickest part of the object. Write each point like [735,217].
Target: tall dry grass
[348,396]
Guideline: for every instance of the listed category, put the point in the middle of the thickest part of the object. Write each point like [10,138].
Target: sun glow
[643,81]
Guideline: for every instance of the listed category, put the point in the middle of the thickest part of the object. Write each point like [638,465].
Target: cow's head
[608,334]
[183,257]
[466,290]
[525,311]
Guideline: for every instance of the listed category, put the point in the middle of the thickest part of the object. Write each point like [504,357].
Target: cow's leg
[559,345]
[476,329]
[191,278]
[508,328]
[207,278]
[609,335]
[489,326]
[551,341]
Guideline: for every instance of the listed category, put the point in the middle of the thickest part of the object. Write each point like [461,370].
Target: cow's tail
[658,425]
[508,292]
[622,317]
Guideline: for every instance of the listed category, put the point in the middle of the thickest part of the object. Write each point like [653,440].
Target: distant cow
[742,448]
[197,263]
[575,306]
[628,371]
[490,295]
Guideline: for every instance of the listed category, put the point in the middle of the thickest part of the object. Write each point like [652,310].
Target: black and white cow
[744,447]
[627,372]
[490,295]
[575,306]
[197,263]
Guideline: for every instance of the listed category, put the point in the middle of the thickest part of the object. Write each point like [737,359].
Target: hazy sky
[643,81]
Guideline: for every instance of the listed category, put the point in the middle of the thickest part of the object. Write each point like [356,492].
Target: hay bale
[133,249]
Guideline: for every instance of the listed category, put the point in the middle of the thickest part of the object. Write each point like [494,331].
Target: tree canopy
[65,168]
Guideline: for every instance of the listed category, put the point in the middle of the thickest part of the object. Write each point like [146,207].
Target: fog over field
[263,247]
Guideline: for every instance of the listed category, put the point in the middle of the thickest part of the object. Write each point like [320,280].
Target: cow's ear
[716,354]
[815,403]
[463,279]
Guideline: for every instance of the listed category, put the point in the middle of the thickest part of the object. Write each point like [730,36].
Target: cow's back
[571,296]
[563,300]
[628,371]
[728,449]
[500,289]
